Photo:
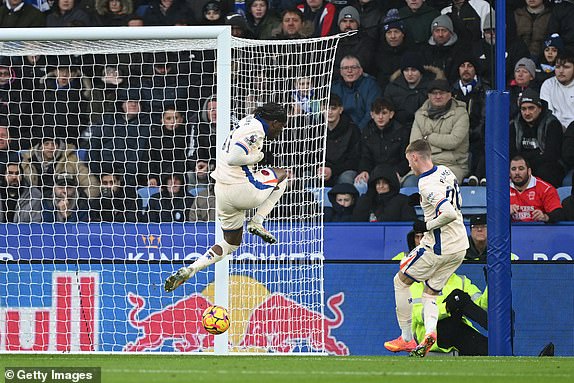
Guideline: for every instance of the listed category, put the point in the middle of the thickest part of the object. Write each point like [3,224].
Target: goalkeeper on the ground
[238,188]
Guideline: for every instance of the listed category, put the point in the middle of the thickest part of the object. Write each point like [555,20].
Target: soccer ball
[215,320]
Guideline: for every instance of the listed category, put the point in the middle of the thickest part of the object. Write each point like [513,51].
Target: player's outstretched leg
[255,225]
[424,347]
[215,254]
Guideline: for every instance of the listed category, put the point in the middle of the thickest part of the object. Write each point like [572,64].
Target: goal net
[107,139]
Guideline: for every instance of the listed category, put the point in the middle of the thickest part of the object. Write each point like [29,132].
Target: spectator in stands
[163,83]
[168,145]
[360,45]
[6,153]
[212,13]
[261,19]
[562,22]
[343,197]
[106,84]
[19,202]
[67,204]
[372,14]
[477,239]
[343,151]
[116,203]
[168,12]
[15,103]
[202,148]
[524,78]
[553,46]
[531,198]
[67,13]
[59,102]
[413,240]
[17,14]
[444,123]
[357,90]
[383,141]
[418,16]
[321,14]
[470,88]
[408,86]
[135,21]
[392,46]
[515,50]
[531,25]
[536,135]
[304,101]
[558,91]
[122,141]
[383,202]
[113,13]
[203,206]
[172,203]
[444,47]
[466,20]
[292,26]
[51,157]
[568,204]
[239,27]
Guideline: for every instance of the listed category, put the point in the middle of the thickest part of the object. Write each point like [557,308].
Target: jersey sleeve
[245,145]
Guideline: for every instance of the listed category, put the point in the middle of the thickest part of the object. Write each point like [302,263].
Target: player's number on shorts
[453,195]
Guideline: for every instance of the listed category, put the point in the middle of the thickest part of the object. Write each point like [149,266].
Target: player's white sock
[265,208]
[210,256]
[404,308]
[430,312]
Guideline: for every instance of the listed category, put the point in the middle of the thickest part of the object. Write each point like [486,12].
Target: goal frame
[222,35]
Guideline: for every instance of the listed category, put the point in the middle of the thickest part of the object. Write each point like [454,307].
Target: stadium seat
[321,195]
[473,200]
[564,192]
[82,154]
[196,190]
[145,193]
[409,190]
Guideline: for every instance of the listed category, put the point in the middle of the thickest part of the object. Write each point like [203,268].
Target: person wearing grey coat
[19,202]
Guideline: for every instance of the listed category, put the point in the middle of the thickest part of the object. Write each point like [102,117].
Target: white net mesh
[105,192]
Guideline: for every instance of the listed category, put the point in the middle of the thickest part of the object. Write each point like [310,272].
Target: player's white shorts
[422,265]
[232,200]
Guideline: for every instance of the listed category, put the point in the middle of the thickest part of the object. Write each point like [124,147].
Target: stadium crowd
[78,143]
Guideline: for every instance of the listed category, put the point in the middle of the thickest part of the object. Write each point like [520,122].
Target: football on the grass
[215,320]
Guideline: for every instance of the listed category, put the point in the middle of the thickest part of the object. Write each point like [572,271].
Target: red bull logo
[180,322]
[280,324]
[277,324]
[70,324]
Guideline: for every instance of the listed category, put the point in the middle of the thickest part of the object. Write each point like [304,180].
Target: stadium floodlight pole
[498,201]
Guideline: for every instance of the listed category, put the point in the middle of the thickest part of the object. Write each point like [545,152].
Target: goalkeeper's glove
[420,226]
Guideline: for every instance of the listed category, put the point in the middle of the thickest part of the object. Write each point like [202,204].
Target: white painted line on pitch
[343,373]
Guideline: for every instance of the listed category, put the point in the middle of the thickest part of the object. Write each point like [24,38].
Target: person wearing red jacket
[531,199]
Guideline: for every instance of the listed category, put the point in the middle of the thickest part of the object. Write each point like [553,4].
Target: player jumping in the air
[439,254]
[239,188]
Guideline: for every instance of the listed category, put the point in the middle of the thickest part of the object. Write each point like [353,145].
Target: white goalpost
[106,191]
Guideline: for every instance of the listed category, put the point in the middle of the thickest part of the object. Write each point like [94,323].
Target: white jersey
[248,136]
[438,186]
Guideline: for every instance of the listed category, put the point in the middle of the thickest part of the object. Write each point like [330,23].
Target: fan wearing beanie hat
[553,45]
[442,32]
[349,19]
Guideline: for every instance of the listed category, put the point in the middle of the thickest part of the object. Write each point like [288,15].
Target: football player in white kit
[239,188]
[439,254]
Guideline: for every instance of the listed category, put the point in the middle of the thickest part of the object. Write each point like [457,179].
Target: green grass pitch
[299,369]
